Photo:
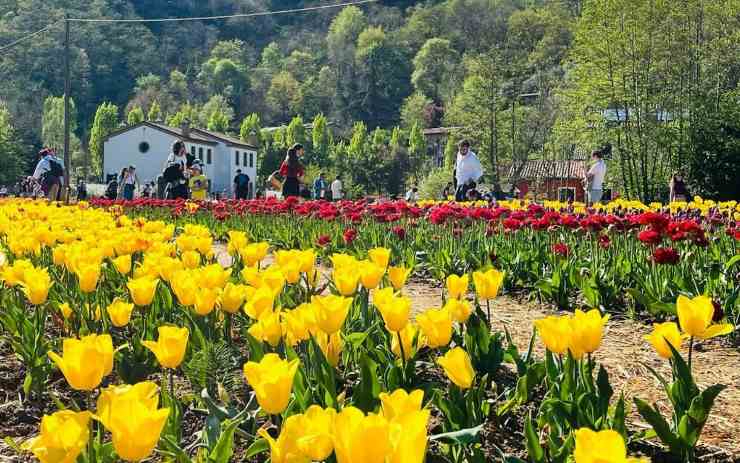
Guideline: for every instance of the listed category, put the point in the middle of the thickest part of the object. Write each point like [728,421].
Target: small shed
[561,180]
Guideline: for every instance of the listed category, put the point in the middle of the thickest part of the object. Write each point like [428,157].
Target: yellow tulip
[695,317]
[88,276]
[285,448]
[206,300]
[64,434]
[312,277]
[370,275]
[123,264]
[380,257]
[457,286]
[359,438]
[342,261]
[316,431]
[36,284]
[214,276]
[261,301]
[119,312]
[331,312]
[488,284]
[269,328]
[436,325]
[251,275]
[130,413]
[307,260]
[14,275]
[400,402]
[460,310]
[170,346]
[233,297]
[555,332]
[588,330]
[398,276]
[237,240]
[66,310]
[190,259]
[299,323]
[272,381]
[142,290]
[84,362]
[291,272]
[331,346]
[458,368]
[605,446]
[662,335]
[185,287]
[273,278]
[382,296]
[408,437]
[408,335]
[396,313]
[252,254]
[346,281]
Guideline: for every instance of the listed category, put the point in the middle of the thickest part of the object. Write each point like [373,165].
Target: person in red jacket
[292,171]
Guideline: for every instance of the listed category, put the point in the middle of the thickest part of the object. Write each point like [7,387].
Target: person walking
[319,187]
[130,182]
[595,178]
[49,173]
[678,189]
[292,170]
[241,185]
[468,170]
[336,189]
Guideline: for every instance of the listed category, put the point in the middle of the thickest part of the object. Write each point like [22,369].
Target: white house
[147,145]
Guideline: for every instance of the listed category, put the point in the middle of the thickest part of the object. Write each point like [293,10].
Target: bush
[432,185]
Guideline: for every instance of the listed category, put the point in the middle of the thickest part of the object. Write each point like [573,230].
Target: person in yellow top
[198,183]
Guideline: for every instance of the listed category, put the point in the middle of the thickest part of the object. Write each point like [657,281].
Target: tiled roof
[228,139]
[539,168]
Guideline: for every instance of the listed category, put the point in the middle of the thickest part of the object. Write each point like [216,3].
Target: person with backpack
[241,185]
[49,172]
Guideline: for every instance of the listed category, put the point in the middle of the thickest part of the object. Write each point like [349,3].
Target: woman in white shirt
[468,170]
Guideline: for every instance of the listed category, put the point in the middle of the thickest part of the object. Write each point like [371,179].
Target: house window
[192,150]
[237,158]
[200,153]
[244,158]
[566,194]
[208,156]
[251,159]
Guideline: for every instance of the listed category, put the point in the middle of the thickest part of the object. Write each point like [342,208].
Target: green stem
[403,353]
[691,350]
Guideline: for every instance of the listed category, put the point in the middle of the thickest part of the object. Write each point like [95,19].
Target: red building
[551,180]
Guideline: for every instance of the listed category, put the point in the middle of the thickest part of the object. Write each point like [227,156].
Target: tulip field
[358,332]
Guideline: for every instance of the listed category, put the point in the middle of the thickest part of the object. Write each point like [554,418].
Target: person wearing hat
[198,183]
[129,183]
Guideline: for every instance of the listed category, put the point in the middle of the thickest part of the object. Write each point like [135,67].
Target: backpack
[55,168]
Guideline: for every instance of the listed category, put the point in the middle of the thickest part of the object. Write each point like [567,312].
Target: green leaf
[463,436]
[534,448]
[618,420]
[224,448]
[732,262]
[701,406]
[257,447]
[368,390]
[660,426]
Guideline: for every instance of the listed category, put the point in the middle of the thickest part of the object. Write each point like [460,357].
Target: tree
[105,122]
[135,115]
[155,112]
[434,68]
[218,121]
[52,122]
[417,150]
[187,113]
[284,96]
[296,132]
[250,129]
[321,140]
[216,104]
[417,109]
[450,153]
[341,39]
[13,162]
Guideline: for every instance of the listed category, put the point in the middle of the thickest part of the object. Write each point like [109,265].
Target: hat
[132,166]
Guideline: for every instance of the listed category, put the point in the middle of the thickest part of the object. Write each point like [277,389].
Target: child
[198,183]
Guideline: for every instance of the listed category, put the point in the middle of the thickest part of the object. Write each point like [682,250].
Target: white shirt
[468,168]
[598,172]
[411,196]
[44,166]
[182,160]
[336,189]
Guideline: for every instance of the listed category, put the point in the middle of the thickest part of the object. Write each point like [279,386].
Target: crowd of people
[183,177]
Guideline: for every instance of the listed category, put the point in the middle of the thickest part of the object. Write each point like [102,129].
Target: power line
[26,37]
[207,18]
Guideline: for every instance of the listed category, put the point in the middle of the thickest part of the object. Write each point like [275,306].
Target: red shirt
[284,170]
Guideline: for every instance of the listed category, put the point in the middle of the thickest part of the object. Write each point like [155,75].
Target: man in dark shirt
[241,185]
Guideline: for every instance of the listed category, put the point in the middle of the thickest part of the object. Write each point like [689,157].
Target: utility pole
[66,109]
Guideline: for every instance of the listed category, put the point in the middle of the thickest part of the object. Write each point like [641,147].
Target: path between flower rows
[625,354]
